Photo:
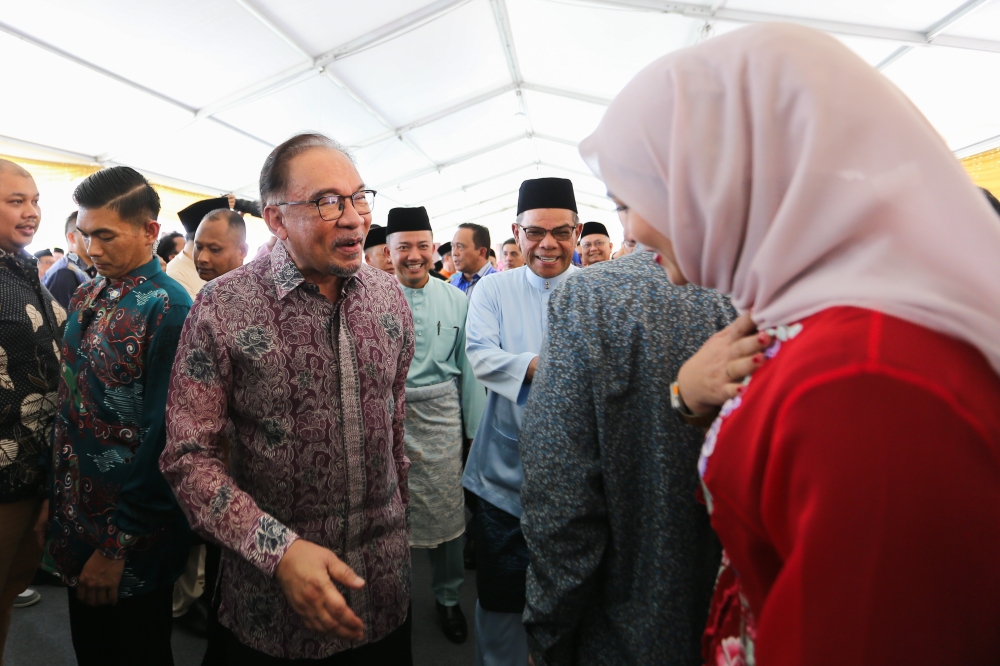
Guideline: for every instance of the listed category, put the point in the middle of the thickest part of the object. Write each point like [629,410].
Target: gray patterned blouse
[623,558]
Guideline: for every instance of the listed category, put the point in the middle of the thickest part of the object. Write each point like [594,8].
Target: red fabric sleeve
[883,506]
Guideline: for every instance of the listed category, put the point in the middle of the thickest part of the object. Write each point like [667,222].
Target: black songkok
[375,237]
[192,216]
[408,219]
[43,253]
[546,193]
[594,228]
[444,249]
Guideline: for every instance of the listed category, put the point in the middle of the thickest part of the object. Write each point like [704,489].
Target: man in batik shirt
[30,330]
[117,536]
[304,352]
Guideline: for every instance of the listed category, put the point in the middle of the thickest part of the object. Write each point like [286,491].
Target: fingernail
[762,338]
[758,359]
[740,390]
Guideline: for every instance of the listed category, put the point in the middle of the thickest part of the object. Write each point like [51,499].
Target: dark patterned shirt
[623,558]
[314,392]
[108,493]
[30,333]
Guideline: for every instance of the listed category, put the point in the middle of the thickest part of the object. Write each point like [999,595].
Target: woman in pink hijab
[855,481]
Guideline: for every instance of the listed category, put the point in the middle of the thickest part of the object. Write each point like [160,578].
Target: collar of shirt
[481,273]
[542,284]
[287,276]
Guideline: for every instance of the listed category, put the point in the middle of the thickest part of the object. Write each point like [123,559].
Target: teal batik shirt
[107,490]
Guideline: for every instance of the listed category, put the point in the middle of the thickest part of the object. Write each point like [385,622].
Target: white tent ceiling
[448,104]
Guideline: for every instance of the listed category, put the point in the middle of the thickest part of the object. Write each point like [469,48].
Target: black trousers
[393,650]
[133,632]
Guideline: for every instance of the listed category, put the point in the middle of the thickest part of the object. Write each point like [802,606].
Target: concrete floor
[39,635]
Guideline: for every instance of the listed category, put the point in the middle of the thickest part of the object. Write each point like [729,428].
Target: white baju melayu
[506,328]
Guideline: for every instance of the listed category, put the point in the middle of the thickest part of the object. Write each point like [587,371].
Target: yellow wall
[985,169]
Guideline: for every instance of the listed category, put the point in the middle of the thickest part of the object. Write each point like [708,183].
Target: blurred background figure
[45,261]
[72,270]
[169,246]
[595,244]
[376,253]
[512,257]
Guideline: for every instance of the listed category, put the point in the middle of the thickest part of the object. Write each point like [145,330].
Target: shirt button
[419,333]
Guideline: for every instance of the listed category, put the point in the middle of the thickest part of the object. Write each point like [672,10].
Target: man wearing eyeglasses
[506,329]
[299,359]
[595,244]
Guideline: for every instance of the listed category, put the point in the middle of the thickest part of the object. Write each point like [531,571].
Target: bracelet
[696,420]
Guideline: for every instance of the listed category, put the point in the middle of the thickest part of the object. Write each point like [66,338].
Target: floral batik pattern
[31,325]
[310,397]
[108,493]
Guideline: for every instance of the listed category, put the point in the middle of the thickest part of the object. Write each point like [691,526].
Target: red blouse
[856,488]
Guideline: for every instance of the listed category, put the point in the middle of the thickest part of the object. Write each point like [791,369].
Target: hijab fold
[790,174]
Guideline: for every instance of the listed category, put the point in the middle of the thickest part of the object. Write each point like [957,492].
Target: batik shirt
[30,333]
[315,395]
[108,493]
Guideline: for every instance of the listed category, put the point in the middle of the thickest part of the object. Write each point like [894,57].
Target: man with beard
[220,244]
[117,536]
[310,381]
[443,405]
[376,254]
[595,244]
[506,329]
[31,324]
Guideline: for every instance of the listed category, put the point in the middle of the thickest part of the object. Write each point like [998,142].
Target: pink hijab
[789,173]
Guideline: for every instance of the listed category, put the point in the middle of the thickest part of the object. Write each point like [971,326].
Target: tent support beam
[912,37]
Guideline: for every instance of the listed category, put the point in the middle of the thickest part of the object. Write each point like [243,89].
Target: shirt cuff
[116,543]
[267,543]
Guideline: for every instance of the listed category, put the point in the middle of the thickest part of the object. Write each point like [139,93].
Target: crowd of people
[763,431]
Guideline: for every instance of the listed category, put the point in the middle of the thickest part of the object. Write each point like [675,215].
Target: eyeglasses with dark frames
[535,234]
[331,207]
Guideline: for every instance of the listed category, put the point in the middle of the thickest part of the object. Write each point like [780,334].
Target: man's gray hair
[274,173]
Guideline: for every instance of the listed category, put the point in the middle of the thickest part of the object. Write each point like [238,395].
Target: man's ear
[275,221]
[385,251]
[244,250]
[151,231]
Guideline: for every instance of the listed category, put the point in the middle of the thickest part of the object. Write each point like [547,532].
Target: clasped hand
[307,573]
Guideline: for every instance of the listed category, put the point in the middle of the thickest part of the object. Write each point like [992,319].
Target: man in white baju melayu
[506,329]
[443,404]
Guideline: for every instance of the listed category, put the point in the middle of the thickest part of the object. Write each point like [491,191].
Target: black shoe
[470,554]
[453,622]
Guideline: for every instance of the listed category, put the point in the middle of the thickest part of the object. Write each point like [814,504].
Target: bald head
[220,244]
[6,166]
[19,211]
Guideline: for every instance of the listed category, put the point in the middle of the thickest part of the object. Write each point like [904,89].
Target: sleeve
[498,370]
[193,460]
[473,393]
[884,528]
[146,500]
[62,285]
[399,401]
[565,515]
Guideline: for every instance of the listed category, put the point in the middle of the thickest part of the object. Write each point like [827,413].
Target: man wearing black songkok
[376,253]
[595,244]
[507,326]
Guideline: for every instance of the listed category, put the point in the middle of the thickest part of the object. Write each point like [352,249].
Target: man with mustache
[308,386]
[220,244]
[443,405]
[506,329]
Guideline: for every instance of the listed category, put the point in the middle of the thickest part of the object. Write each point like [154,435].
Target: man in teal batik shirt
[117,535]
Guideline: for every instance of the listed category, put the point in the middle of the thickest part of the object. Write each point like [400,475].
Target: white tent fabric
[448,104]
